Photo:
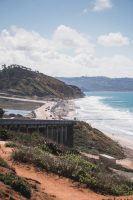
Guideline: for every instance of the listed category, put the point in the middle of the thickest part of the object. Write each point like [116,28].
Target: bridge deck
[35,122]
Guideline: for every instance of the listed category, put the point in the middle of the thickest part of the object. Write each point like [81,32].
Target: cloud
[113,66]
[67,38]
[101,5]
[116,61]
[67,48]
[67,53]
[113,39]
[98,5]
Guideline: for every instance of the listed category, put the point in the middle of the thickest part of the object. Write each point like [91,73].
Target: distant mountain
[100,83]
[19,80]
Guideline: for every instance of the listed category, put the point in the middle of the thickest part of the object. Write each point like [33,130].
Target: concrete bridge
[60,131]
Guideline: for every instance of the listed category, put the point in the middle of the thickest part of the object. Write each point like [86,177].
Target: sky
[68,37]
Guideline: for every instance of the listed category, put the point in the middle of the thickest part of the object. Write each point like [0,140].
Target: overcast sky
[68,37]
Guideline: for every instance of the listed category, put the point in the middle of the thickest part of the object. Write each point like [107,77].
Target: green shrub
[37,140]
[75,167]
[3,163]
[110,183]
[22,155]
[4,135]
[10,144]
[34,156]
[44,154]
[52,147]
[17,183]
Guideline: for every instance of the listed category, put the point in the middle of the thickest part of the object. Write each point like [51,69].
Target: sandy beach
[46,111]
[57,109]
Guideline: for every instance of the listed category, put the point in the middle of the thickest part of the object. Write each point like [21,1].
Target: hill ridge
[20,80]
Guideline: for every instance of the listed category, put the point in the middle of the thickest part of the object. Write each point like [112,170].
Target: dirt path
[57,187]
[60,188]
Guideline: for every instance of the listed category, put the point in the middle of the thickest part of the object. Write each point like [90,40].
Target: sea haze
[111,112]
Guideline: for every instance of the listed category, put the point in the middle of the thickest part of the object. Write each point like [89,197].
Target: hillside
[90,140]
[100,83]
[48,164]
[19,80]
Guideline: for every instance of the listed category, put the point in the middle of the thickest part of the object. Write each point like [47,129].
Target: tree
[1,113]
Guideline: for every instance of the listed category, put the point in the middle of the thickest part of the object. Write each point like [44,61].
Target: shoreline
[66,109]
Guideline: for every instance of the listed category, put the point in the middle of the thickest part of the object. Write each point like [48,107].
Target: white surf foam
[116,122]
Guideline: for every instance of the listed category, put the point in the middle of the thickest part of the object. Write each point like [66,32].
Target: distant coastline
[99,83]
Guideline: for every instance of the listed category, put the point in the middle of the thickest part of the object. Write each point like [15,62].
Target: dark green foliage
[17,183]
[4,135]
[52,148]
[74,166]
[11,144]
[3,163]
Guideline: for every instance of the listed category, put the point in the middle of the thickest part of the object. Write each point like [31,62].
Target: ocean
[110,112]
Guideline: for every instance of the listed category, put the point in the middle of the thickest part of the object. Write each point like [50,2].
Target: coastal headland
[28,153]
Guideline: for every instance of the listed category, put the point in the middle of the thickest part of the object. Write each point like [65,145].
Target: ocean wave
[116,121]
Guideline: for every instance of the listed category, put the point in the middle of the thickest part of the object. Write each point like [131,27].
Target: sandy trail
[60,188]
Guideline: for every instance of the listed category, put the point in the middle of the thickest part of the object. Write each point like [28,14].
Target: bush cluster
[17,183]
[75,167]
[3,163]
[44,154]
[34,140]
[11,144]
[4,135]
